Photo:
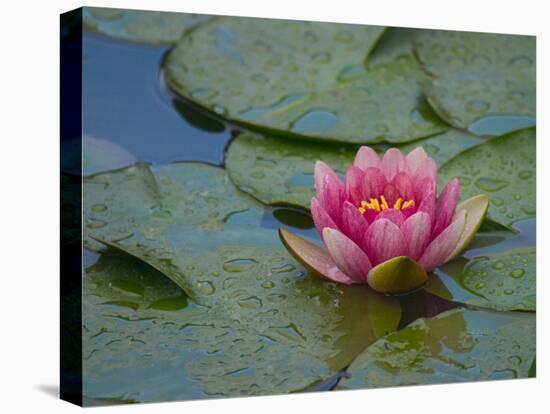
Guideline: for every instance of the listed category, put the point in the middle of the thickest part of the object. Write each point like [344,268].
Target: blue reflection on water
[126,103]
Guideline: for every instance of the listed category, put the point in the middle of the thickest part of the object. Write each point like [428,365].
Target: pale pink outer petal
[384,240]
[321,219]
[313,257]
[416,230]
[427,205]
[354,185]
[393,215]
[320,172]
[366,157]
[441,247]
[354,224]
[415,158]
[445,206]
[349,257]
[426,172]
[423,188]
[403,183]
[374,183]
[332,196]
[392,163]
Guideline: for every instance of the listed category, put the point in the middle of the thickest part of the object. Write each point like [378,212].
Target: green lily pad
[483,82]
[303,79]
[395,45]
[503,281]
[143,26]
[119,203]
[456,346]
[241,271]
[277,171]
[503,169]
[133,351]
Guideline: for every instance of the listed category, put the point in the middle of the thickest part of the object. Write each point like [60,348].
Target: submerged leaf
[456,346]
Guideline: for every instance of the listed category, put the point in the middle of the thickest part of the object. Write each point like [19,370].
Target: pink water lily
[385,225]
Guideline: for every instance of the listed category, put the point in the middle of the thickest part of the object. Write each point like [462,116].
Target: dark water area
[126,103]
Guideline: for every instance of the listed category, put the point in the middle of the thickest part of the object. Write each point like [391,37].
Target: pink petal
[374,183]
[415,158]
[384,240]
[423,188]
[366,157]
[393,215]
[370,215]
[408,211]
[416,230]
[349,257]
[426,172]
[403,183]
[427,205]
[354,225]
[313,257]
[441,247]
[321,171]
[354,185]
[321,219]
[392,163]
[446,206]
[332,196]
[391,194]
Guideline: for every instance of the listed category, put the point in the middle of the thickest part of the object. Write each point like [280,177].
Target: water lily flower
[385,225]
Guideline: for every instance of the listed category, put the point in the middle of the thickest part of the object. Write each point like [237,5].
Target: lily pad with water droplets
[503,281]
[482,82]
[278,171]
[456,346]
[241,271]
[141,198]
[143,341]
[503,169]
[143,26]
[305,79]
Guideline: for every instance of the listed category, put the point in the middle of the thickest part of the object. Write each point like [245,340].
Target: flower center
[382,204]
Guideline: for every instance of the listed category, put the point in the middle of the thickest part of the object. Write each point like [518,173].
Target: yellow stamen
[409,203]
[381,204]
[398,203]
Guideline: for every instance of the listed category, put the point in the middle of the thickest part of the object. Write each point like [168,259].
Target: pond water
[129,111]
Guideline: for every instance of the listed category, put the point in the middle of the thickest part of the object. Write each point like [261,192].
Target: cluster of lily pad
[194,287]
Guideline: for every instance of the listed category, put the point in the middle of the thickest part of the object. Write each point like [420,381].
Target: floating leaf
[483,82]
[456,346]
[143,26]
[119,203]
[278,171]
[503,281]
[504,169]
[305,79]
[441,147]
[241,271]
[136,352]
